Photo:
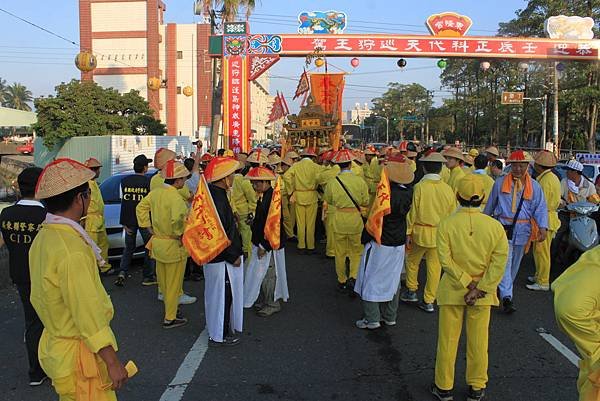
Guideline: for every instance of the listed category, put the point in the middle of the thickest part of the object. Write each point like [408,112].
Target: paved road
[309,351]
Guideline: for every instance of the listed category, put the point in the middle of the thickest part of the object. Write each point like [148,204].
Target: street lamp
[387,127]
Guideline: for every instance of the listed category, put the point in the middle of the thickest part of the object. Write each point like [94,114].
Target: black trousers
[33,332]
[228,302]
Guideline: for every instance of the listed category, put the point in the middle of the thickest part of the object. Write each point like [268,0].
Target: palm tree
[2,91]
[229,10]
[17,96]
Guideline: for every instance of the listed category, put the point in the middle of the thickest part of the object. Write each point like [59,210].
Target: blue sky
[40,61]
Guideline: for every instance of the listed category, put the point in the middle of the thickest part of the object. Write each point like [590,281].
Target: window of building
[179,54]
[179,90]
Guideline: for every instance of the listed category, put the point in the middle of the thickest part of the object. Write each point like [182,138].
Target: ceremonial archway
[246,56]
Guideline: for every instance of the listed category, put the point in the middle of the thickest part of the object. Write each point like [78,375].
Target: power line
[39,27]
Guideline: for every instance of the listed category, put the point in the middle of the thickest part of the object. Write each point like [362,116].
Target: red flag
[381,207]
[273,223]
[277,110]
[286,110]
[303,85]
[204,236]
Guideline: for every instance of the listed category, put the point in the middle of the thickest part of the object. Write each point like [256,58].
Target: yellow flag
[273,223]
[381,207]
[204,236]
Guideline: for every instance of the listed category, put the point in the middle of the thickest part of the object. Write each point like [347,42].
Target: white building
[357,115]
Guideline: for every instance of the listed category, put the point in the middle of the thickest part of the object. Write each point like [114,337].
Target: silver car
[111,194]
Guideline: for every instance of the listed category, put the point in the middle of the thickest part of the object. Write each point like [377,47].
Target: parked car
[26,149]
[111,194]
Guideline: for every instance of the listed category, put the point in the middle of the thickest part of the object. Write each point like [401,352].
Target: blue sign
[322,22]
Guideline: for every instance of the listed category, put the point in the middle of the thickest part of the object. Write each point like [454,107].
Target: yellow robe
[94,223]
[71,302]
[455,175]
[541,250]
[289,209]
[445,174]
[243,202]
[370,174]
[471,247]
[302,180]
[577,310]
[433,200]
[347,222]
[488,184]
[165,211]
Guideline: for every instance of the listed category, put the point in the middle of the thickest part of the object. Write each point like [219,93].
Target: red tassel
[170,169]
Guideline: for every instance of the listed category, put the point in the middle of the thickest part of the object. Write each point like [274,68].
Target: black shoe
[507,306]
[475,395]
[341,287]
[177,322]
[311,251]
[441,395]
[147,281]
[120,281]
[302,251]
[231,341]
[37,380]
[350,285]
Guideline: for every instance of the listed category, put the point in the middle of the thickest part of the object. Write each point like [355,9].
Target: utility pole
[544,121]
[555,128]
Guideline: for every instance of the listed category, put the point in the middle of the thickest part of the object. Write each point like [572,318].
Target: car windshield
[589,171]
[111,188]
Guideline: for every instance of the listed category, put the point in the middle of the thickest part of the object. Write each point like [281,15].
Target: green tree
[2,91]
[16,96]
[86,109]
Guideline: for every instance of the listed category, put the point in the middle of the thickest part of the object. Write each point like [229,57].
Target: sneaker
[475,395]
[350,286]
[426,307]
[389,322]
[537,287]
[364,324]
[258,306]
[409,296]
[341,287]
[507,305]
[147,281]
[231,340]
[185,299]
[531,279]
[269,310]
[38,381]
[441,395]
[215,344]
[177,322]
[120,281]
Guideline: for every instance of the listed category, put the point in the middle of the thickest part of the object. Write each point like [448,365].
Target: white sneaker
[363,324]
[185,299]
[389,322]
[537,287]
[531,279]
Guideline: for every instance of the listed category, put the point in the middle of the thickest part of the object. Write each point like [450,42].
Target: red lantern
[354,62]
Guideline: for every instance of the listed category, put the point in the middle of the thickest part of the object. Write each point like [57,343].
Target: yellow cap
[470,188]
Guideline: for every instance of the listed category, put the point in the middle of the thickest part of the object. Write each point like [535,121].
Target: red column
[152,53]
[85,32]
[171,47]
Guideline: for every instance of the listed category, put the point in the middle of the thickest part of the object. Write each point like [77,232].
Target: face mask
[573,187]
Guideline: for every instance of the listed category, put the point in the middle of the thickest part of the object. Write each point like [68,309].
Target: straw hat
[242,157]
[308,152]
[360,157]
[342,156]
[434,157]
[519,156]
[399,170]
[469,159]
[546,159]
[220,167]
[174,170]
[162,156]
[274,158]
[61,176]
[453,152]
[470,187]
[229,153]
[259,156]
[473,153]
[403,146]
[292,155]
[492,150]
[205,157]
[287,160]
[92,163]
[260,174]
[370,152]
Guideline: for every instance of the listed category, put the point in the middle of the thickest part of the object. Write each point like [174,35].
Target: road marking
[553,341]
[187,369]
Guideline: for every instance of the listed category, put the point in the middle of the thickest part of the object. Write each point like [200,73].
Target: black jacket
[233,251]
[394,224]
[260,218]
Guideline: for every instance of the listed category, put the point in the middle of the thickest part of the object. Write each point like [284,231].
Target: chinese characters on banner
[236,103]
[428,46]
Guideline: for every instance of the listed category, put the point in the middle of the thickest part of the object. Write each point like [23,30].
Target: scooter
[582,235]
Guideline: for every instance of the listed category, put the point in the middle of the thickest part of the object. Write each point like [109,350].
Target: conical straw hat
[61,176]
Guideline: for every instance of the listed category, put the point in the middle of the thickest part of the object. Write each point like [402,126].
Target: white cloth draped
[256,272]
[214,298]
[379,272]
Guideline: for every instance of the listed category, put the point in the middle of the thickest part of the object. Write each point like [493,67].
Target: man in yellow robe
[473,250]
[163,213]
[77,348]
[94,221]
[453,159]
[544,162]
[349,195]
[577,310]
[161,157]
[243,203]
[433,200]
